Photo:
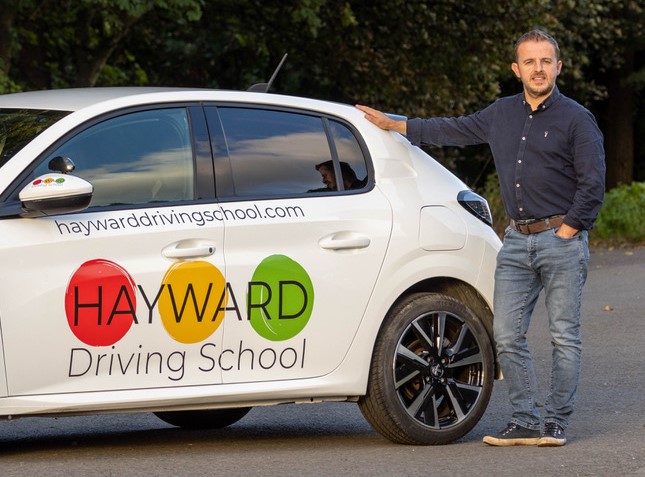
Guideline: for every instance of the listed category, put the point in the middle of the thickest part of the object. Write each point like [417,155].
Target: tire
[432,372]
[207,419]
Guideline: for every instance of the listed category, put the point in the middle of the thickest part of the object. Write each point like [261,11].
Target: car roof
[77,99]
[74,99]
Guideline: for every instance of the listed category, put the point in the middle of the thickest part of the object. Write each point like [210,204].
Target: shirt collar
[552,98]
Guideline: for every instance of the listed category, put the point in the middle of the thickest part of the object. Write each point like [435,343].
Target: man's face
[537,67]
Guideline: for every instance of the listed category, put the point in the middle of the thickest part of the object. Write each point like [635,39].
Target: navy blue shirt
[550,161]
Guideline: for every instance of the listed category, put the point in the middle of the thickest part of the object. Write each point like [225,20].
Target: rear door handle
[344,241]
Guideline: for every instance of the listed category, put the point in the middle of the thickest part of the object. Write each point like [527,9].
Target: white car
[177,251]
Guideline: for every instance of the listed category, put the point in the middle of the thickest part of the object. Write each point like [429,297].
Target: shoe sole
[526,441]
[551,442]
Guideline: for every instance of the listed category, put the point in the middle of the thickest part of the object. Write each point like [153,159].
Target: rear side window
[350,155]
[137,158]
[281,153]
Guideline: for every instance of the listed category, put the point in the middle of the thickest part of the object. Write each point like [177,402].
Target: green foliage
[7,86]
[74,42]
[622,217]
[415,58]
[596,37]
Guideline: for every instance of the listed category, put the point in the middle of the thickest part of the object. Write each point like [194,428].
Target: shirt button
[530,116]
[517,185]
[521,209]
[524,138]
[519,161]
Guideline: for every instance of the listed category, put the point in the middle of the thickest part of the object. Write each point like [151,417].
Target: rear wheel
[432,372]
[207,419]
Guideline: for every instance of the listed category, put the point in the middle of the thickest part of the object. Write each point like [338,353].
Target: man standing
[549,156]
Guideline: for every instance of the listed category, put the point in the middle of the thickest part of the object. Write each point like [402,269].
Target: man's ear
[516,69]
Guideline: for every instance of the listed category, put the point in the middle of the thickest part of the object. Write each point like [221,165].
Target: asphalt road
[606,436]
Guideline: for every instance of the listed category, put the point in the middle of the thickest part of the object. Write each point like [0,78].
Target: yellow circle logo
[192,301]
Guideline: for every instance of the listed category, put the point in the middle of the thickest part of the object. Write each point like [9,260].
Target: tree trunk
[90,62]
[619,135]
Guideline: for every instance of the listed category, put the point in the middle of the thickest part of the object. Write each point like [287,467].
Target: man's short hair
[538,35]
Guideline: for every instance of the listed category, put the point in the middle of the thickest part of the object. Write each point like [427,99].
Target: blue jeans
[526,264]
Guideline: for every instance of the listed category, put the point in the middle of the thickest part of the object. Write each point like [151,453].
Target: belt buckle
[518,225]
[525,222]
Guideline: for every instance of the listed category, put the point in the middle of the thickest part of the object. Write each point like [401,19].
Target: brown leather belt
[536,226]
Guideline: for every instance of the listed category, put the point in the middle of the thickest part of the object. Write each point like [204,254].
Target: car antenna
[264,87]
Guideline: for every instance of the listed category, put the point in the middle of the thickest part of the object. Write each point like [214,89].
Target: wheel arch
[461,291]
[396,405]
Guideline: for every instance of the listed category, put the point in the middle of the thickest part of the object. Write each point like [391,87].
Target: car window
[273,153]
[135,158]
[281,153]
[350,155]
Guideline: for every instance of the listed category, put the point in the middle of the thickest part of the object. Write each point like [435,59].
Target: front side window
[137,158]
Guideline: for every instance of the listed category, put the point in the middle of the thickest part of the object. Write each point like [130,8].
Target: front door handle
[189,248]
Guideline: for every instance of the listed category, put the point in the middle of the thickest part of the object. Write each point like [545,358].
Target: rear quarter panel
[411,180]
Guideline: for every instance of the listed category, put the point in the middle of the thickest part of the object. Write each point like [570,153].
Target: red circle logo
[100,302]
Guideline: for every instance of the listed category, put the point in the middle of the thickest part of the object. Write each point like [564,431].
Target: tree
[603,41]
[415,58]
[56,44]
[8,12]
[445,57]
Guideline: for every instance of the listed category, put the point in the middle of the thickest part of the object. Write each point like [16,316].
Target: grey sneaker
[552,435]
[514,435]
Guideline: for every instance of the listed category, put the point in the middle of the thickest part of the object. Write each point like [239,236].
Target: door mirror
[55,193]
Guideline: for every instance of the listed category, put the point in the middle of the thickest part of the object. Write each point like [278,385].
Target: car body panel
[44,353]
[361,251]
[326,240]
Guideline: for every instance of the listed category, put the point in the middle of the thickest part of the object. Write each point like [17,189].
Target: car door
[123,295]
[302,255]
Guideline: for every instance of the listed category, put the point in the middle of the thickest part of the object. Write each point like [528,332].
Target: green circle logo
[280,298]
